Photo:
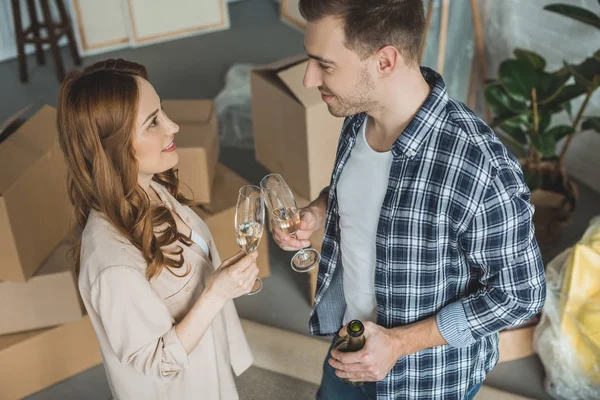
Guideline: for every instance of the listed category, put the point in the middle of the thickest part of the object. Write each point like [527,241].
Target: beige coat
[135,319]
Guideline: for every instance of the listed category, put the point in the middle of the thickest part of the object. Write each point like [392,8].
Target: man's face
[345,82]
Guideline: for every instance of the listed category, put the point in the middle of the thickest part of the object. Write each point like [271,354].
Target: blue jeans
[332,387]
[472,391]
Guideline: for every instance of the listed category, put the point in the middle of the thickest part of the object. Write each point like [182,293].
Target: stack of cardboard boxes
[294,133]
[45,336]
[212,186]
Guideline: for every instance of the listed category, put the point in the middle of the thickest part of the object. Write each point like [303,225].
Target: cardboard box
[32,361]
[219,215]
[35,212]
[49,298]
[516,344]
[294,134]
[290,14]
[13,122]
[197,145]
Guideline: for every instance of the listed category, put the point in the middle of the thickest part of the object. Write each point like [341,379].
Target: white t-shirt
[361,191]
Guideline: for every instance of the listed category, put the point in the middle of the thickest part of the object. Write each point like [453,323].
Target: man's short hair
[370,25]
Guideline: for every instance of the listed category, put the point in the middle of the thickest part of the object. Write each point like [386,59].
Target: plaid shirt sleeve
[500,243]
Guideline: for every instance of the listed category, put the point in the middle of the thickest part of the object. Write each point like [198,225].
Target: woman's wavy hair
[97,109]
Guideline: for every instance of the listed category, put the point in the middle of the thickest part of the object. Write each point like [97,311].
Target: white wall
[7,36]
[525,24]
[8,47]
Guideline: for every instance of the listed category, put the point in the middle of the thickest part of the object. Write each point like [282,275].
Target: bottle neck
[356,343]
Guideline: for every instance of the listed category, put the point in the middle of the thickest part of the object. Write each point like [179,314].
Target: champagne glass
[249,223]
[282,206]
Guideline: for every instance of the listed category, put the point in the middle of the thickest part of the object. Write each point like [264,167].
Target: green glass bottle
[353,341]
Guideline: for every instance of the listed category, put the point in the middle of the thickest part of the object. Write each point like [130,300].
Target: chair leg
[53,40]
[35,29]
[66,21]
[20,40]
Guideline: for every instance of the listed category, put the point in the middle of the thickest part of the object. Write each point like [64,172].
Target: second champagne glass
[249,223]
[282,206]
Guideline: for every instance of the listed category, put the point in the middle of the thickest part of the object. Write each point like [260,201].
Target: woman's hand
[234,278]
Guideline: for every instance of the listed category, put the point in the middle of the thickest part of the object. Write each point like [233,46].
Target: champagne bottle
[353,341]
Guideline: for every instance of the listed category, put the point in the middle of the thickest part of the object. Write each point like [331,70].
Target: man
[428,232]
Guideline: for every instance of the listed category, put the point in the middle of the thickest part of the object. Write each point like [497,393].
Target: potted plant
[524,99]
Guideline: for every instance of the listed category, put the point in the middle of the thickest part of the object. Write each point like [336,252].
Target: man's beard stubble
[362,99]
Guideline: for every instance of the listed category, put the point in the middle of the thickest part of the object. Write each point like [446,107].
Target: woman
[162,312]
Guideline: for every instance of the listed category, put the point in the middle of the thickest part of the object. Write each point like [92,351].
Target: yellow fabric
[581,301]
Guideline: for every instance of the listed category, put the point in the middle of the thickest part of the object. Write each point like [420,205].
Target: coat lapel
[190,218]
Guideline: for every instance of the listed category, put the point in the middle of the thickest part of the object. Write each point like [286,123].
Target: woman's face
[154,135]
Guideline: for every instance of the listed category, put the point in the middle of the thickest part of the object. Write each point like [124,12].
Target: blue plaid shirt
[455,239]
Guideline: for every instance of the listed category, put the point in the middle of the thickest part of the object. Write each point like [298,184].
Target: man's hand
[309,223]
[383,348]
[312,218]
[373,362]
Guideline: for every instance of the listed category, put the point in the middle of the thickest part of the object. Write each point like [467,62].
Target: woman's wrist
[211,298]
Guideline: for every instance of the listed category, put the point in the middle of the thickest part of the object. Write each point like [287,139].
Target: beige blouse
[135,319]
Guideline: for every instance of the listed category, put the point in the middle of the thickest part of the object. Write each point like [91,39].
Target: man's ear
[387,59]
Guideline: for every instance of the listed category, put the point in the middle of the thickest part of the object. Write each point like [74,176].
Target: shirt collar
[164,196]
[416,132]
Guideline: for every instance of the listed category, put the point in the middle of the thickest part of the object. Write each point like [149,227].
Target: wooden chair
[54,31]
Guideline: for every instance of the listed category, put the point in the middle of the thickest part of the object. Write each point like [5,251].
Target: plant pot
[554,199]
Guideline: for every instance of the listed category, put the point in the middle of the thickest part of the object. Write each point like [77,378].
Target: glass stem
[301,254]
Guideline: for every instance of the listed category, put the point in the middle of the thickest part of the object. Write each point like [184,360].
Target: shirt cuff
[176,357]
[453,325]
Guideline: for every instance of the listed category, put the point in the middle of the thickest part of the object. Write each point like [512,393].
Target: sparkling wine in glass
[250,222]
[282,206]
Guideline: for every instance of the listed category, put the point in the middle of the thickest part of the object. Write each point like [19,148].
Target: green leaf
[516,133]
[501,103]
[568,108]
[550,85]
[560,131]
[544,119]
[588,72]
[552,109]
[574,12]
[568,93]
[544,122]
[545,145]
[564,71]
[518,78]
[512,120]
[536,61]
[591,123]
